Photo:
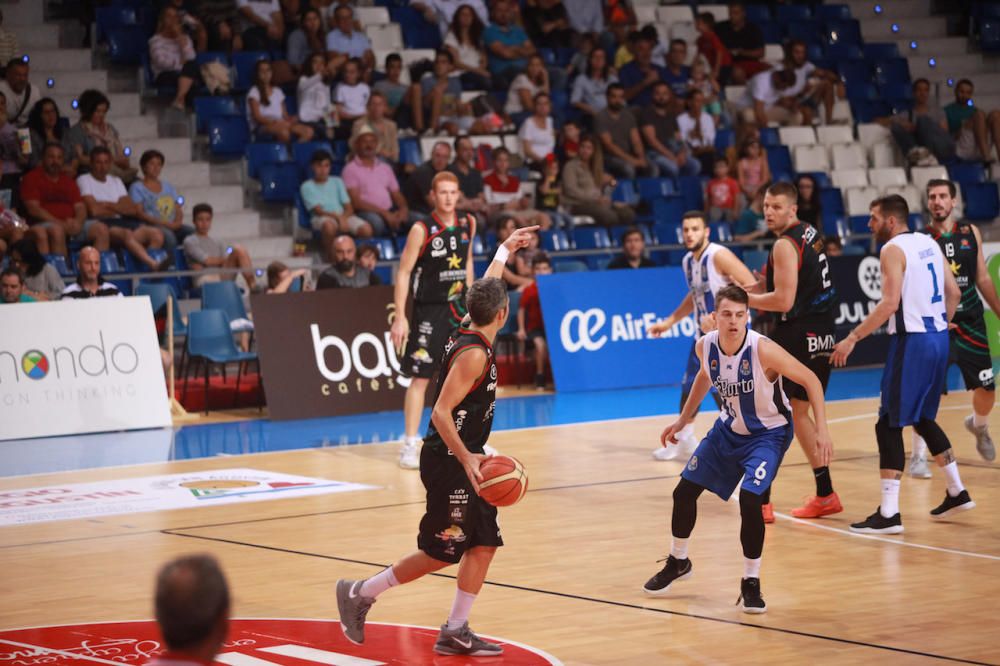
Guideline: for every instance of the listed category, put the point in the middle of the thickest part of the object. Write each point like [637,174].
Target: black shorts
[810,340]
[970,351]
[456,519]
[430,327]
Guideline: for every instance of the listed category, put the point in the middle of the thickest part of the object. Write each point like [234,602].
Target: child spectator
[329,206]
[710,47]
[351,97]
[702,81]
[315,106]
[368,257]
[549,194]
[752,170]
[722,194]
[397,94]
[505,196]
[530,326]
[202,251]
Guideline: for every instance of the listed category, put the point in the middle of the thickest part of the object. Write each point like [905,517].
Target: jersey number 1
[936,296]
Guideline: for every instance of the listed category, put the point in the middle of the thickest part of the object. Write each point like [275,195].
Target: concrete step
[263,250]
[186,174]
[132,128]
[861,9]
[122,104]
[61,60]
[953,66]
[70,83]
[25,14]
[174,150]
[233,225]
[934,46]
[879,29]
[223,199]
[36,37]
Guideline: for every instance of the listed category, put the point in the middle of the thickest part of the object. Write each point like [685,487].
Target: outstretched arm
[520,238]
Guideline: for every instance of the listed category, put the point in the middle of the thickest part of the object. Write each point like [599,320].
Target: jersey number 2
[936,296]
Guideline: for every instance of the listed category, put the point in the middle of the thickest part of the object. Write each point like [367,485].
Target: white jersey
[921,303]
[751,403]
[703,280]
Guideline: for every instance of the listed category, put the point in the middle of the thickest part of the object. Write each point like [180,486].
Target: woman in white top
[266,110]
[591,86]
[171,56]
[314,92]
[465,41]
[534,79]
[538,134]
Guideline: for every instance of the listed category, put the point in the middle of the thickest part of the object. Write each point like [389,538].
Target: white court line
[63,653]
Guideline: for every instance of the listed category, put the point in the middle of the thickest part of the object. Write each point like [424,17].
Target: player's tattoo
[897,475]
[948,456]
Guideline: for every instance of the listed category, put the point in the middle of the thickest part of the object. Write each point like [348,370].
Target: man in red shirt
[55,208]
[529,318]
[722,194]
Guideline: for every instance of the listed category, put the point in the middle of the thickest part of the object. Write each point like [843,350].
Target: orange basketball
[504,481]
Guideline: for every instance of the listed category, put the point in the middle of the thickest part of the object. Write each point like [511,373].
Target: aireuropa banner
[596,323]
[858,281]
[327,353]
[80,366]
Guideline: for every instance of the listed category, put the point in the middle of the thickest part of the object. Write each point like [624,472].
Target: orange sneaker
[768,511]
[817,507]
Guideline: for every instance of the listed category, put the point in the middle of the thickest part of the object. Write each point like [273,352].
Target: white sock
[460,609]
[919,446]
[679,548]
[379,583]
[980,421]
[412,440]
[890,498]
[952,479]
[751,567]
[686,432]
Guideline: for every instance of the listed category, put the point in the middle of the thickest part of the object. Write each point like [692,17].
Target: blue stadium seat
[181,285]
[243,66]
[832,224]
[279,182]
[651,189]
[598,262]
[667,233]
[770,30]
[591,237]
[858,224]
[755,260]
[724,139]
[127,44]
[769,137]
[386,250]
[809,31]
[259,154]
[213,56]
[478,247]
[866,111]
[853,72]
[227,135]
[780,161]
[891,69]
[831,200]
[207,107]
[133,265]
[554,240]
[668,210]
[409,151]
[842,50]
[877,51]
[832,12]
[568,265]
[302,216]
[113,18]
[863,91]
[418,33]
[821,178]
[758,13]
[982,201]
[967,172]
[916,221]
[59,261]
[110,263]
[843,31]
[720,232]
[692,192]
[302,154]
[790,13]
[989,35]
[896,90]
[625,192]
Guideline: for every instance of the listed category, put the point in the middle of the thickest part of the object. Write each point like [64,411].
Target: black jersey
[961,251]
[440,272]
[473,416]
[814,293]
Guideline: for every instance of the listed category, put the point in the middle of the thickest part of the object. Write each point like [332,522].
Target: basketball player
[962,245]
[747,442]
[457,527]
[919,297]
[707,268]
[799,287]
[436,268]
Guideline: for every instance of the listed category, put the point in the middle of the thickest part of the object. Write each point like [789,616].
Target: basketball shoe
[817,507]
[767,510]
[464,641]
[353,608]
[984,443]
[674,569]
[960,502]
[879,524]
[686,444]
[753,602]
[409,455]
[918,468]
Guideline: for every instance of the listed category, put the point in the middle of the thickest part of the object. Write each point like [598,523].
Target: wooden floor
[579,547]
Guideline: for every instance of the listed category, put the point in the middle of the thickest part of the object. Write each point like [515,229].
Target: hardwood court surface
[579,547]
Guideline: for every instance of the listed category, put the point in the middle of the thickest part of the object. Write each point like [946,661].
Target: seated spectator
[471,199]
[547,22]
[505,196]
[813,86]
[507,46]
[43,121]
[538,133]
[92,130]
[665,151]
[89,281]
[697,131]
[55,209]
[972,128]
[832,247]
[172,58]
[550,194]
[222,23]
[590,88]
[368,257]
[262,25]
[625,41]
[722,194]
[398,95]
[578,62]
[533,80]
[633,254]
[465,43]
[326,199]
[107,200]
[439,98]
[745,43]
[192,610]
[583,183]
[710,47]
[313,95]
[345,271]
[585,17]
[766,100]
[530,326]
[202,251]
[676,74]
[516,273]
[190,24]
[624,151]
[752,171]
[13,160]
[443,12]
[702,81]
[351,97]
[417,188]
[41,279]
[280,278]
[306,40]
[751,224]
[8,43]
[373,187]
[12,287]
[344,43]
[20,93]
[923,130]
[810,208]
[569,140]
[9,234]
[640,75]
[266,113]
[385,129]
[159,203]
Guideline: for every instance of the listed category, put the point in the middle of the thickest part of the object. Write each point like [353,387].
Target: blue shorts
[723,458]
[913,377]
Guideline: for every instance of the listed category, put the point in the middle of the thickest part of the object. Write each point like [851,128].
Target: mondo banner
[84,366]
[328,353]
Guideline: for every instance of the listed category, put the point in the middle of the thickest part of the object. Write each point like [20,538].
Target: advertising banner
[328,353]
[858,281]
[70,367]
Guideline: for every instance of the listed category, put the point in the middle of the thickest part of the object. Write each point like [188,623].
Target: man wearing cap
[373,187]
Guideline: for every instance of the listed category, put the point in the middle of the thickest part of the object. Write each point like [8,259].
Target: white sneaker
[489,450]
[918,468]
[668,452]
[682,450]
[409,455]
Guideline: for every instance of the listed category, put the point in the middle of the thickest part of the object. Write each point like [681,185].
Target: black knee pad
[890,445]
[686,491]
[750,503]
[937,441]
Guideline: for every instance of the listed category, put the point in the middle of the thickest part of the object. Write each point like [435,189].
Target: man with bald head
[192,609]
[346,272]
[89,282]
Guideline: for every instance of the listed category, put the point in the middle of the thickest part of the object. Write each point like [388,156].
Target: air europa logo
[585,329]
[69,361]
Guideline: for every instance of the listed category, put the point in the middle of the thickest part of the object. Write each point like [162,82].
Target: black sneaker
[961,502]
[674,570]
[879,524]
[753,603]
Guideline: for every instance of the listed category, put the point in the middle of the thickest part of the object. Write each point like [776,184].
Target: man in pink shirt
[372,186]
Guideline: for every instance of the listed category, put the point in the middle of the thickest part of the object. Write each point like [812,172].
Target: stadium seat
[867,110]
[797,136]
[724,139]
[756,260]
[849,156]
[692,192]
[133,265]
[279,182]
[159,293]
[916,221]
[668,210]
[859,199]
[674,14]
[591,238]
[883,178]
[418,33]
[568,265]
[651,189]
[110,263]
[409,151]
[989,35]
[912,195]
[625,192]
[259,154]
[385,37]
[891,69]
[758,14]
[646,14]
[771,30]
[369,16]
[885,155]
[832,12]
[244,63]
[843,31]
[822,178]
[225,295]
[210,340]
[126,45]
[829,135]
[967,172]
[207,107]
[982,201]
[849,178]
[807,30]
[862,91]
[792,13]
[769,137]
[780,162]
[811,158]
[858,224]
[302,154]
[227,135]
[302,216]
[719,11]
[667,233]
[386,250]
[720,232]
[831,200]
[879,51]
[554,240]
[919,176]
[60,264]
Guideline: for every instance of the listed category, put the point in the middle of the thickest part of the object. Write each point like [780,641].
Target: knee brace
[890,445]
[937,441]
[751,525]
